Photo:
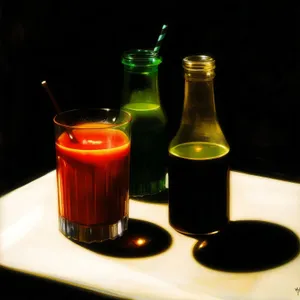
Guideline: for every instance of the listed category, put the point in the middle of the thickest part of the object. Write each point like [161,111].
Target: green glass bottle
[141,99]
[198,156]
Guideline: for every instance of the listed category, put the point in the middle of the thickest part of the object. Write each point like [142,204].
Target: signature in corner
[297,289]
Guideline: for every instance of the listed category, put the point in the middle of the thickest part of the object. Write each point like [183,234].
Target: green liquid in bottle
[148,149]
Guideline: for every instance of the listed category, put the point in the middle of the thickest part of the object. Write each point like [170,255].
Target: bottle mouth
[141,58]
[199,63]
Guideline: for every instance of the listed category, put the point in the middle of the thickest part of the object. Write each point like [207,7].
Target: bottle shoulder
[205,133]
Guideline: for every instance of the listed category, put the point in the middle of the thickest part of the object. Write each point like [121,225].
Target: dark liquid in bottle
[149,149]
[198,187]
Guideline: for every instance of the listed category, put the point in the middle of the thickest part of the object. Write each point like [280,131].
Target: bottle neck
[141,86]
[199,122]
[199,103]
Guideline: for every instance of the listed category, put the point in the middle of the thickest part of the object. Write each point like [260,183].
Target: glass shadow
[14,284]
[160,198]
[247,246]
[142,239]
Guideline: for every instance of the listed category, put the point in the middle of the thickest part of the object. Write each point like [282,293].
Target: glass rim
[113,125]
[141,58]
[198,62]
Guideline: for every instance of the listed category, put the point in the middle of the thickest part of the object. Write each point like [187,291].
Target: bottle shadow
[142,239]
[247,246]
[159,198]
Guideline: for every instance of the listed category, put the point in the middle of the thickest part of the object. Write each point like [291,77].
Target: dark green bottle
[149,148]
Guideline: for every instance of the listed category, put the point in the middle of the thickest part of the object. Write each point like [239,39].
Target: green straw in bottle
[160,38]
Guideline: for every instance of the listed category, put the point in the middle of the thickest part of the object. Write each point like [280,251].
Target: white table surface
[30,242]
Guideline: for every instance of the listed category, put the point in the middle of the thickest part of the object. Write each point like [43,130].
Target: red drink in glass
[93,181]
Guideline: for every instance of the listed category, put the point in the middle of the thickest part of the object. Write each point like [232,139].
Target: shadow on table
[24,286]
[248,246]
[142,239]
[160,198]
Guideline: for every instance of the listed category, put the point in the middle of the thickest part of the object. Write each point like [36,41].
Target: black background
[76,46]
